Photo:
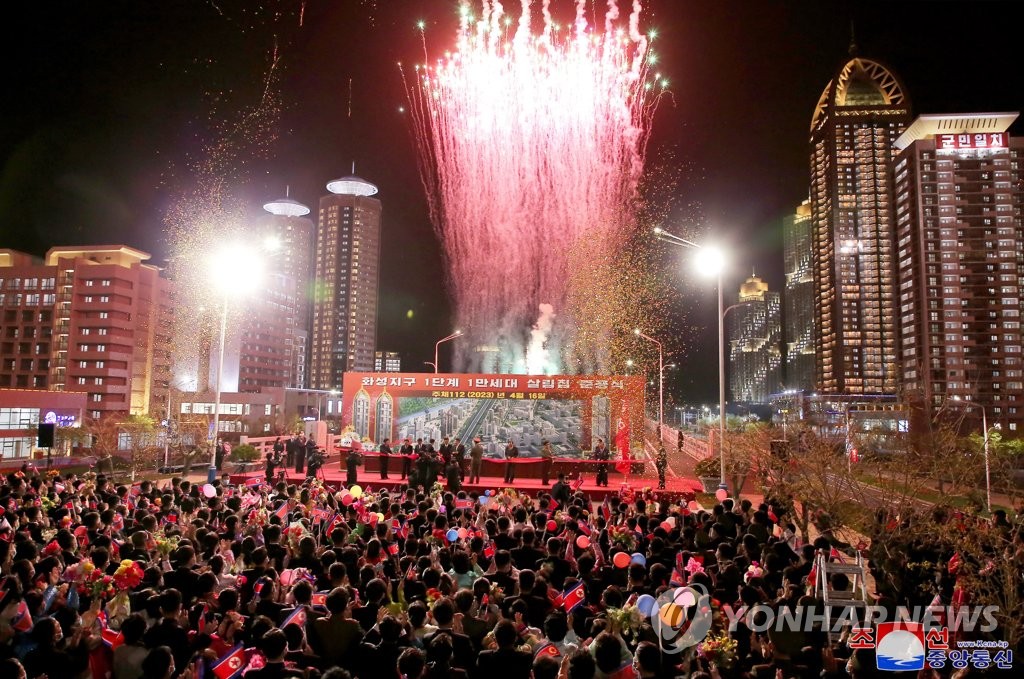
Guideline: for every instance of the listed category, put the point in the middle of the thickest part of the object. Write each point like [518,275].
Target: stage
[677,489]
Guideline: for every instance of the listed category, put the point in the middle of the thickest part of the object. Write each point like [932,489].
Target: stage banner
[569,411]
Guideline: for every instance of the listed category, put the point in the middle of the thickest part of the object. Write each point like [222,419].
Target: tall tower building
[861,112]
[960,260]
[293,234]
[798,300]
[755,355]
[347,269]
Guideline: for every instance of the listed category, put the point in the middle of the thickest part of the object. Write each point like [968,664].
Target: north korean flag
[319,599]
[489,550]
[298,617]
[22,620]
[282,512]
[463,504]
[254,482]
[584,527]
[111,638]
[573,597]
[319,514]
[172,517]
[335,522]
[393,548]
[547,649]
[231,664]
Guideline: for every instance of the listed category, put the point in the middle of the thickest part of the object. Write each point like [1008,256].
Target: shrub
[244,453]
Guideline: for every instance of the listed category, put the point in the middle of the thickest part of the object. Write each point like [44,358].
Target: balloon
[209,490]
[552,526]
[645,604]
[488,493]
[463,533]
[346,499]
[356,491]
[666,526]
[286,576]
[583,542]
[639,558]
[721,494]
[373,517]
[672,615]
[693,505]
[621,560]
[484,499]
[671,521]
[452,535]
[443,509]
[380,517]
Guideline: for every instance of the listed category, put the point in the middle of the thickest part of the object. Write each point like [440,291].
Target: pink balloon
[667,526]
[583,542]
[286,576]
[694,506]
[463,533]
[621,560]
[552,526]
[721,494]
[346,499]
[209,490]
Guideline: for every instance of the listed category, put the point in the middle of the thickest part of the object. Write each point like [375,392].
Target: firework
[532,144]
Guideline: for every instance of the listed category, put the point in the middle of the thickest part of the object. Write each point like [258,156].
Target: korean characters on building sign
[970,140]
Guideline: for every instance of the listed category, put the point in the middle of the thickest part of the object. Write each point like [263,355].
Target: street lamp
[235,270]
[710,261]
[661,378]
[984,426]
[437,347]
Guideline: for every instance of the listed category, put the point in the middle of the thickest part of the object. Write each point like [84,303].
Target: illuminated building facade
[94,319]
[291,237]
[960,257]
[798,300]
[755,354]
[347,259]
[861,112]
[387,362]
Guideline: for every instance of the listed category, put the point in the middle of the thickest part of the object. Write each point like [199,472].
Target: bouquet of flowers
[294,533]
[719,650]
[100,585]
[47,504]
[128,575]
[79,574]
[436,491]
[627,620]
[623,537]
[433,596]
[626,493]
[165,545]
[258,518]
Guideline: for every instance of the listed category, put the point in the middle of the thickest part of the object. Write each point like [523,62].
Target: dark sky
[106,102]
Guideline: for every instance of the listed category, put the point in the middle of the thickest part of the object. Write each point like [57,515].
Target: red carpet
[676,488]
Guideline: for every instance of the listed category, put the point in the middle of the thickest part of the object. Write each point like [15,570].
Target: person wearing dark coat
[602,455]
[505,662]
[511,453]
[406,451]
[351,473]
[385,457]
[453,476]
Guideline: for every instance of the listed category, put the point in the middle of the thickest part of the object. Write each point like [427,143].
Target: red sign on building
[970,140]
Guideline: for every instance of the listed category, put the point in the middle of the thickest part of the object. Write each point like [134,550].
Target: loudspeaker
[46,430]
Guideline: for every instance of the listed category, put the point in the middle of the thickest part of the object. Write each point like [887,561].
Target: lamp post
[710,262]
[236,270]
[437,347]
[984,427]
[661,378]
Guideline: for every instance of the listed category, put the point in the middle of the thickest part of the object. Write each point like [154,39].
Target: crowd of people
[175,579]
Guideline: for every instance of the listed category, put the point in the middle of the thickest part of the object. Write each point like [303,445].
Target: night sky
[107,103]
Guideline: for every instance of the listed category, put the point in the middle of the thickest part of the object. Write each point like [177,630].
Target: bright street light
[235,270]
[710,261]
[437,347]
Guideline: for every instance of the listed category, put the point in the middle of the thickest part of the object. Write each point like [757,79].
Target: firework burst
[532,144]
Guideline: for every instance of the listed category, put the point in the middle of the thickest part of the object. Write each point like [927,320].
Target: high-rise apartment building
[387,362]
[347,268]
[755,353]
[960,257]
[94,319]
[861,112]
[798,300]
[291,236]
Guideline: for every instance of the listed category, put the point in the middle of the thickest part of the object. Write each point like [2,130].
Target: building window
[97,398]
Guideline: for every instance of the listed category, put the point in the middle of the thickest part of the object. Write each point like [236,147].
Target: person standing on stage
[451,473]
[278,448]
[445,451]
[459,453]
[511,453]
[385,456]
[601,455]
[424,466]
[661,463]
[351,462]
[476,456]
[289,450]
[547,456]
[406,451]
